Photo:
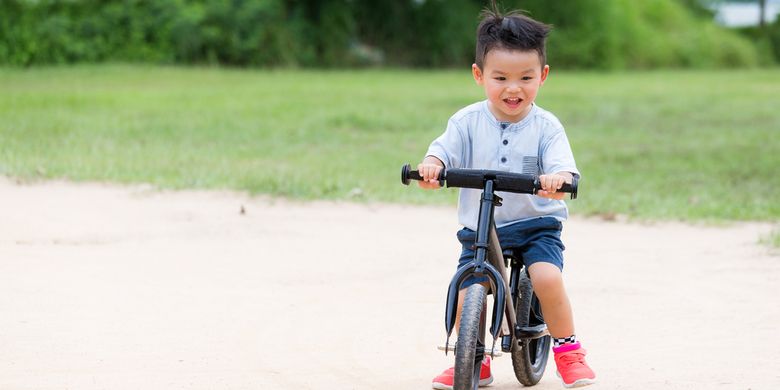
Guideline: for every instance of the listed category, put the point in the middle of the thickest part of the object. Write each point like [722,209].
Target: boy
[507,131]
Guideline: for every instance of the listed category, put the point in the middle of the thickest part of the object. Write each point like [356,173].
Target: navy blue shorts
[537,240]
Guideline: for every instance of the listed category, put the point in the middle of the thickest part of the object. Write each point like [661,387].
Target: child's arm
[551,183]
[429,169]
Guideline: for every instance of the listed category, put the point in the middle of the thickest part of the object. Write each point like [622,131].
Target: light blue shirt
[535,145]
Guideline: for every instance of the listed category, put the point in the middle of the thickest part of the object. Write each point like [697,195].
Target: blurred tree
[326,28]
[762,13]
[605,34]
[704,8]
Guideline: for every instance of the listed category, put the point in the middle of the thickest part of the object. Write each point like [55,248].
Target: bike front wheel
[470,349]
[529,357]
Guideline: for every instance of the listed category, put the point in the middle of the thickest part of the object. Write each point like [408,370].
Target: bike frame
[489,261]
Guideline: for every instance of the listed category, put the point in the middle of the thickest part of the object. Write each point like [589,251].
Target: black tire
[471,335]
[529,357]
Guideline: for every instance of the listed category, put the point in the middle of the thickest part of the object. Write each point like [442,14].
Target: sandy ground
[105,287]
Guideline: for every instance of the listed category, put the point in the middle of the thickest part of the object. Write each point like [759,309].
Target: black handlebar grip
[566,187]
[571,188]
[407,175]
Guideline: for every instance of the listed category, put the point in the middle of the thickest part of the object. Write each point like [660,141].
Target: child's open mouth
[513,102]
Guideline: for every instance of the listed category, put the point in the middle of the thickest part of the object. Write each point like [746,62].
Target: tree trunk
[761,13]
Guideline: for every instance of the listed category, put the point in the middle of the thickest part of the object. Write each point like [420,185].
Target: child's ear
[477,73]
[545,72]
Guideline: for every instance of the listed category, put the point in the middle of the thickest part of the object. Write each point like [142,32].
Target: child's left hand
[552,183]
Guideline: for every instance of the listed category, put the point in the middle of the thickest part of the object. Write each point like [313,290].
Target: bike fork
[488,261]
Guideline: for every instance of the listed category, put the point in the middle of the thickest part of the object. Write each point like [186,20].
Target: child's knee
[545,277]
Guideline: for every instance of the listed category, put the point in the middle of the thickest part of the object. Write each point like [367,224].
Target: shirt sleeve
[450,146]
[557,155]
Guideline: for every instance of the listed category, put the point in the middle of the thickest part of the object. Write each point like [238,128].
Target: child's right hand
[430,170]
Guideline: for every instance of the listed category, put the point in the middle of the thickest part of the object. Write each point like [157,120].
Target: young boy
[509,132]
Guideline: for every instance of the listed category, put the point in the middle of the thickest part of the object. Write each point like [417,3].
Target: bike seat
[512,256]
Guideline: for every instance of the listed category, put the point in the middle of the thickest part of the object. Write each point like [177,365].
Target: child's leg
[461,298]
[569,357]
[548,286]
[446,379]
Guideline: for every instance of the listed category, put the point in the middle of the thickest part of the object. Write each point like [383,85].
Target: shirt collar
[511,125]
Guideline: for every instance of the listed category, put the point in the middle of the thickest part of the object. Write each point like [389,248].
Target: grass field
[688,145]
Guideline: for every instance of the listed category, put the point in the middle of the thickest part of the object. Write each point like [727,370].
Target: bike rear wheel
[470,349]
[529,357]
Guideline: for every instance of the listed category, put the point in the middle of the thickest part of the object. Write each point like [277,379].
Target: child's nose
[513,87]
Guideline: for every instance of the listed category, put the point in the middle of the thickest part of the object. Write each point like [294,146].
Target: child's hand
[429,170]
[552,183]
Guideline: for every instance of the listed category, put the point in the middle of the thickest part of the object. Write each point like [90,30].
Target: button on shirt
[537,144]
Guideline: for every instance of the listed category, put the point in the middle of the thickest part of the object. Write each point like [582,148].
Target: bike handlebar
[519,183]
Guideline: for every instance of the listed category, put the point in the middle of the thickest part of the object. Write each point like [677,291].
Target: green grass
[663,145]
[772,239]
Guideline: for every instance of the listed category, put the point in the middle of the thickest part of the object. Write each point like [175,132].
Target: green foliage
[774,38]
[236,32]
[601,34]
[616,34]
[56,32]
[767,40]
[419,33]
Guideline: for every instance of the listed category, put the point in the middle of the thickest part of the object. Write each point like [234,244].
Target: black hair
[511,31]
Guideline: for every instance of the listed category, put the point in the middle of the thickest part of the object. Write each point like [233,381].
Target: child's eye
[500,78]
[526,78]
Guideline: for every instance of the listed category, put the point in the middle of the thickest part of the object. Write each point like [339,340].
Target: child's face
[511,79]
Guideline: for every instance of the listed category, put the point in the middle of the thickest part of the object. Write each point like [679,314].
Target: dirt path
[106,287]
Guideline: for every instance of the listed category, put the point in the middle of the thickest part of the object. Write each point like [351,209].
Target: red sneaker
[445,379]
[572,369]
